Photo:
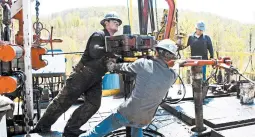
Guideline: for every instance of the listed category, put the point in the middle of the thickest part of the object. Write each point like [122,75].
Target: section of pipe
[9,84]
[198,96]
[10,52]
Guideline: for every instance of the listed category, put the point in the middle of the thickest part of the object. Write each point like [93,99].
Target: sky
[241,10]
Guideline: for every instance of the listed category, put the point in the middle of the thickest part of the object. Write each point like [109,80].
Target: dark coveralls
[86,78]
[200,47]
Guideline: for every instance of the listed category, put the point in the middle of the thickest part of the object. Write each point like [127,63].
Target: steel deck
[223,117]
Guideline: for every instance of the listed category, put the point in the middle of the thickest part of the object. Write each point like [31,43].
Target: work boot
[74,133]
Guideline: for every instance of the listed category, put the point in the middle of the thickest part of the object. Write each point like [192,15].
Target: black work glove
[181,62]
[110,55]
[110,64]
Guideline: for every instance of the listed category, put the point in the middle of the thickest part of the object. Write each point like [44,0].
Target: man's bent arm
[133,67]
[96,46]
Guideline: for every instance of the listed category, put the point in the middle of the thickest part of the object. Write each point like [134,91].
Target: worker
[200,44]
[86,78]
[153,80]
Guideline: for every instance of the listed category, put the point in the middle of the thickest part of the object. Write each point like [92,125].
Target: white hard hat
[168,45]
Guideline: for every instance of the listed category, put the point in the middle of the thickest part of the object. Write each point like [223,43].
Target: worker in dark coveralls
[86,78]
[200,44]
[153,80]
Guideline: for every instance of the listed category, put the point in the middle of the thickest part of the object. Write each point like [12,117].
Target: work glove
[110,64]
[109,55]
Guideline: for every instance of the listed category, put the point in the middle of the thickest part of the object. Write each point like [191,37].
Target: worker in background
[86,78]
[200,44]
[153,80]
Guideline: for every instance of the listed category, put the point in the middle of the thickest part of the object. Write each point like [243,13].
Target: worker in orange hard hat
[86,78]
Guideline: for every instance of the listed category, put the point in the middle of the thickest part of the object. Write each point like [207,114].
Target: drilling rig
[21,53]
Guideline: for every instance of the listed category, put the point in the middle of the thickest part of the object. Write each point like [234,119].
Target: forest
[229,37]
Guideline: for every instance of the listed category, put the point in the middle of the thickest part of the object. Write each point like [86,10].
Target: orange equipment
[36,51]
[10,52]
[171,19]
[224,62]
[8,84]
[37,61]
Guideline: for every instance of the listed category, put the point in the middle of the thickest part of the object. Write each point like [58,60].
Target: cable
[156,12]
[250,59]
[128,12]
[235,70]
[175,101]
[147,133]
[65,53]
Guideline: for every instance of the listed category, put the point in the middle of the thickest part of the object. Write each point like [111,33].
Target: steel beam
[28,35]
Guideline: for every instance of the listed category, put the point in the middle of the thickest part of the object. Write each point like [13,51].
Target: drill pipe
[198,96]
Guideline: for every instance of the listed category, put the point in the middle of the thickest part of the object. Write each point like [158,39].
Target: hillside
[76,25]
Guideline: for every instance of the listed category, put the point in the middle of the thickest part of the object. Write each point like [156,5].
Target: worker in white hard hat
[85,79]
[153,80]
[200,44]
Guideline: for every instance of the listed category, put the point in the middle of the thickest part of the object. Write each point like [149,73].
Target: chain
[24,111]
[37,29]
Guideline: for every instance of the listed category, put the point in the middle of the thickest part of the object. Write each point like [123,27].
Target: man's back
[152,83]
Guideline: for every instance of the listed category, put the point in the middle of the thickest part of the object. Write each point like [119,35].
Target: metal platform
[246,131]
[52,134]
[219,113]
[163,122]
[224,117]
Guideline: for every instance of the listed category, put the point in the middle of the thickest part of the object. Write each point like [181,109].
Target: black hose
[148,133]
[235,70]
[171,101]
